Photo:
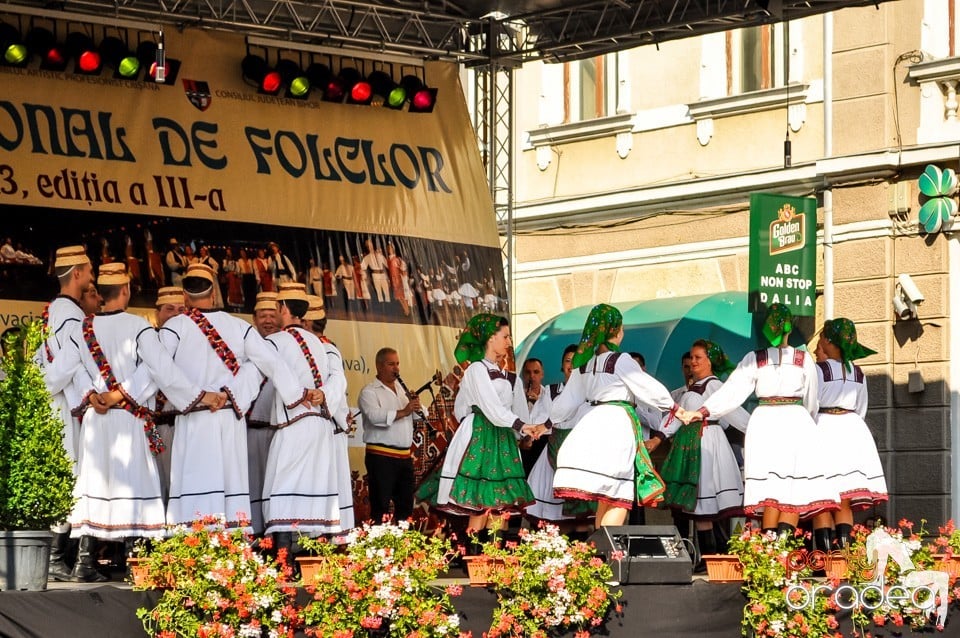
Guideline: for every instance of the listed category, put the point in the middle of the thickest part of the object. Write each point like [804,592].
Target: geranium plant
[905,559]
[781,601]
[948,540]
[549,585]
[216,584]
[379,581]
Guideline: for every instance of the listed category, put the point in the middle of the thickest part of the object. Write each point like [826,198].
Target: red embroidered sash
[317,379]
[45,318]
[106,373]
[216,341]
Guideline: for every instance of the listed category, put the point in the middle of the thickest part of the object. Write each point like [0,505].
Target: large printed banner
[384,213]
[783,253]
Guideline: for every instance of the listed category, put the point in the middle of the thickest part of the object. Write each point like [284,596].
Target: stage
[703,610]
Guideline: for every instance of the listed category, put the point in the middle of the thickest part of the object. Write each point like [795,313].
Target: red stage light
[423,100]
[271,82]
[361,93]
[89,62]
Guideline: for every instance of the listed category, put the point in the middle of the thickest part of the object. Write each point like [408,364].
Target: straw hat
[71,256]
[292,291]
[114,274]
[170,294]
[200,271]
[315,309]
[266,301]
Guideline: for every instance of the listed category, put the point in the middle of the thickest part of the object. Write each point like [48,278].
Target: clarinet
[410,395]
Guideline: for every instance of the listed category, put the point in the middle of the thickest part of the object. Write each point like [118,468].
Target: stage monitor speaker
[652,554]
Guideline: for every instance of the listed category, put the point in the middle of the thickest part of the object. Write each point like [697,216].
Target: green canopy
[659,329]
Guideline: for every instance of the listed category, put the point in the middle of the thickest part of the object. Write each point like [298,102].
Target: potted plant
[36,475]
[379,582]
[782,599]
[214,583]
[547,585]
[946,549]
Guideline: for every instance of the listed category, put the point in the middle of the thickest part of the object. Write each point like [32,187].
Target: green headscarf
[778,323]
[603,322]
[719,361]
[472,345]
[843,334]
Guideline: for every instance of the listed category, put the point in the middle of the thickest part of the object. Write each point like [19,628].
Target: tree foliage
[36,475]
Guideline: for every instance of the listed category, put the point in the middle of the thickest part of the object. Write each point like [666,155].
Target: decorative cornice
[935,70]
[749,102]
[579,131]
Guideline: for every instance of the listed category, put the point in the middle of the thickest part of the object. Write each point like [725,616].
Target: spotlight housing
[256,71]
[117,56]
[422,98]
[12,46]
[41,41]
[80,47]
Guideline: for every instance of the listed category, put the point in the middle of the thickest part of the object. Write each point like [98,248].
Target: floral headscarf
[603,322]
[843,334]
[779,322]
[472,345]
[719,361]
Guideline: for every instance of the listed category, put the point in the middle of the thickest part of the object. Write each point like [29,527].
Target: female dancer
[854,466]
[603,459]
[482,472]
[701,472]
[784,477]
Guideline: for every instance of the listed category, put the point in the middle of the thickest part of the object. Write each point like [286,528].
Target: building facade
[633,176]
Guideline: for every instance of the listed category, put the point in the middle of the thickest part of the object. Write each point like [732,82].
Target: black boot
[844,535]
[85,571]
[59,570]
[476,546]
[707,544]
[721,532]
[823,539]
[785,528]
[284,540]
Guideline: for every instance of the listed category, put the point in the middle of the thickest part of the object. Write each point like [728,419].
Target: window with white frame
[590,88]
[756,58]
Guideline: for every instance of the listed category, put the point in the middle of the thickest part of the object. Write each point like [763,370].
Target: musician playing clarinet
[388,410]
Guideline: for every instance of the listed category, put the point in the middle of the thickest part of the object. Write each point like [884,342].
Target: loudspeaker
[651,554]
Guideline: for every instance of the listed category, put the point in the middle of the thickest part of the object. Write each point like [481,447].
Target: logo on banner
[786,232]
[198,92]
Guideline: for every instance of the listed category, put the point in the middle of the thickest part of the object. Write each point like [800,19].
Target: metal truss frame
[555,30]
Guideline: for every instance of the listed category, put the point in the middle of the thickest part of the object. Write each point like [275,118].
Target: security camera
[903,309]
[909,289]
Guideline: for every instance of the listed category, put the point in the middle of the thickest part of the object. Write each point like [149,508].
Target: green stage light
[117,56]
[15,52]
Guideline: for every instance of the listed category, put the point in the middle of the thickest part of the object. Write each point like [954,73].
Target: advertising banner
[384,213]
[783,253]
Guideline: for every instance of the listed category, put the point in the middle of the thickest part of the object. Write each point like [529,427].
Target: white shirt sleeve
[476,381]
[735,390]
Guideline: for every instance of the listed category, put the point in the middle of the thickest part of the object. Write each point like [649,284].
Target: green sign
[783,252]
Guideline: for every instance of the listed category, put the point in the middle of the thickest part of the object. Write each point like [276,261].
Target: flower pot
[310,567]
[835,566]
[24,560]
[137,568]
[723,568]
[480,568]
[949,564]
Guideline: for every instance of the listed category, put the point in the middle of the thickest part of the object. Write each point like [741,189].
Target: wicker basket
[723,568]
